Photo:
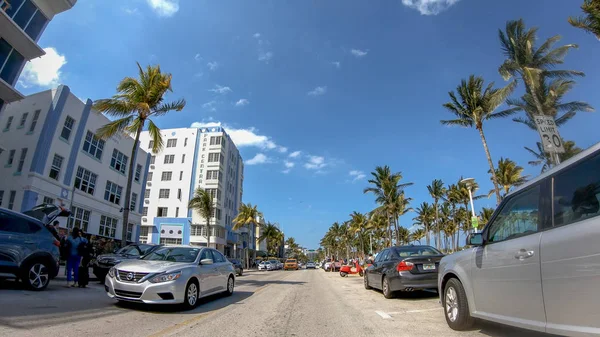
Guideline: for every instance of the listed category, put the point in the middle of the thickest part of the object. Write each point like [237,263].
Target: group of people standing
[77,252]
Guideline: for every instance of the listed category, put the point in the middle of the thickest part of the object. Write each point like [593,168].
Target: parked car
[276,264]
[291,264]
[536,264]
[237,265]
[332,266]
[104,262]
[266,265]
[28,250]
[403,268]
[311,265]
[173,274]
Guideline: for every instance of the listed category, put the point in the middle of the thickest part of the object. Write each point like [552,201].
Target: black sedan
[404,268]
[133,251]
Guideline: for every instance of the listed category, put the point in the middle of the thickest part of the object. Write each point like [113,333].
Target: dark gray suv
[28,251]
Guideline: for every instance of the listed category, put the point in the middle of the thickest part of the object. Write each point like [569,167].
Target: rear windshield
[290,261]
[416,251]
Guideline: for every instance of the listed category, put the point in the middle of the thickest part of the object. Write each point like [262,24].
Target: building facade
[192,158]
[52,156]
[22,22]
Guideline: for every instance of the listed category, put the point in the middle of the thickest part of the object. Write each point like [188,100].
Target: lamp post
[469,182]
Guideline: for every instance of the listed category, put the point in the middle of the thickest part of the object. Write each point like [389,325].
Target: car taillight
[404,266]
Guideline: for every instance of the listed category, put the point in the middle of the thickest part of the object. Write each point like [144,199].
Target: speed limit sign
[549,134]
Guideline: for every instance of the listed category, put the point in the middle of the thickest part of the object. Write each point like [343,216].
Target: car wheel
[191,294]
[456,307]
[385,288]
[360,273]
[230,286]
[35,275]
[366,282]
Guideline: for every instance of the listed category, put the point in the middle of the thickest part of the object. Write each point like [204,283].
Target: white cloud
[295,154]
[265,56]
[199,74]
[260,158]
[359,53]
[43,71]
[318,91]
[256,35]
[164,7]
[429,7]
[131,11]
[213,65]
[286,171]
[315,163]
[242,102]
[357,175]
[220,90]
[210,106]
[282,149]
[197,57]
[289,164]
[337,64]
[242,137]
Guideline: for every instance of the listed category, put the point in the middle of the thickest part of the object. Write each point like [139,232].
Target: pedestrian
[84,250]
[73,259]
[54,230]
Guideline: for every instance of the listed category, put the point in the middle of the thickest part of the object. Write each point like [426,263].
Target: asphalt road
[294,303]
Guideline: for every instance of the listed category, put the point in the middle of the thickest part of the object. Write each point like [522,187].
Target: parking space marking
[383,315]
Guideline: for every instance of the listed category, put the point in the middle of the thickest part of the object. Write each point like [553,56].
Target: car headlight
[166,277]
[111,272]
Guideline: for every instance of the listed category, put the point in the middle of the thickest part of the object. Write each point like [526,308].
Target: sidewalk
[62,277]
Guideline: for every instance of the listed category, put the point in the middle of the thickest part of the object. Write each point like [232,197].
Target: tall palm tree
[271,234]
[448,225]
[292,247]
[425,217]
[454,197]
[509,175]
[378,228]
[545,159]
[590,22]
[418,235]
[403,235]
[203,203]
[136,101]
[437,190]
[358,223]
[477,105]
[398,207]
[247,216]
[485,215]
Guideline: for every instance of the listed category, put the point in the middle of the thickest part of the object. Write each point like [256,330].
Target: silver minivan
[536,264]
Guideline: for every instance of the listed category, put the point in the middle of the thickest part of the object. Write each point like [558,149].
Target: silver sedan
[174,274]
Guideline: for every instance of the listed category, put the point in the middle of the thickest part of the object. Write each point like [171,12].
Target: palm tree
[292,247]
[477,105]
[425,217]
[447,224]
[398,207]
[136,101]
[417,235]
[437,192]
[454,197]
[271,234]
[202,202]
[509,175]
[485,215]
[545,159]
[247,216]
[590,22]
[403,235]
[378,228]
[358,223]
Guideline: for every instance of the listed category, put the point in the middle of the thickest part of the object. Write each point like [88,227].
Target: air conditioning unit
[146,201]
[144,219]
[148,184]
[152,167]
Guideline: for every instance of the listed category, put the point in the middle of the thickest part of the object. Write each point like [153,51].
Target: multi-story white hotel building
[192,158]
[51,155]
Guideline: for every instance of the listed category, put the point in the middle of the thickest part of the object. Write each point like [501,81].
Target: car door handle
[524,254]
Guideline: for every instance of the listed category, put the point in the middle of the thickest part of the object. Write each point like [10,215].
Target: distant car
[276,264]
[172,274]
[291,264]
[28,250]
[237,265]
[311,265]
[266,265]
[104,262]
[404,268]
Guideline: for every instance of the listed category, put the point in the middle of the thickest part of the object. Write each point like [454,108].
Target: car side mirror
[475,239]
[206,261]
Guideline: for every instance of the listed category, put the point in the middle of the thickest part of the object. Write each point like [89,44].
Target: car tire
[192,292]
[35,275]
[230,285]
[457,311]
[385,288]
[366,282]
[241,272]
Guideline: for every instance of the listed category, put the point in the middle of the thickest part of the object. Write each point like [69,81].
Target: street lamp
[470,182]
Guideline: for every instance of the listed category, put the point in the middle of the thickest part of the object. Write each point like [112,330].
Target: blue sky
[318,93]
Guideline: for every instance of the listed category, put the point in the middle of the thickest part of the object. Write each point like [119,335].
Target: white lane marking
[383,315]
[413,311]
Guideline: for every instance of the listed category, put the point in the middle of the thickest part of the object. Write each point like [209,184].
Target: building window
[22,160]
[108,226]
[55,167]
[113,193]
[176,212]
[166,176]
[164,193]
[36,116]
[144,234]
[23,120]
[11,199]
[215,140]
[11,157]
[8,123]
[170,241]
[183,159]
[179,193]
[180,175]
[213,157]
[149,176]
[48,200]
[85,180]
[35,25]
[214,193]
[171,142]
[161,212]
[145,211]
[67,128]
[11,61]
[152,160]
[169,159]
[79,218]
[119,161]
[138,172]
[198,230]
[147,193]
[133,201]
[185,142]
[1,197]
[27,16]
[129,231]
[93,145]
[150,144]
[216,213]
[212,174]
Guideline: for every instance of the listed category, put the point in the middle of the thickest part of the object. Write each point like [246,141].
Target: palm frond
[114,127]
[155,136]
[114,107]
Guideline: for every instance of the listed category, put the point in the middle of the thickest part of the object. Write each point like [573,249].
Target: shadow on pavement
[206,304]
[499,330]
[260,283]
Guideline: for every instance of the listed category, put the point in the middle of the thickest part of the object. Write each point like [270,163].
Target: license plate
[430,266]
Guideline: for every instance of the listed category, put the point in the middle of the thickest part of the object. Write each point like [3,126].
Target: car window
[416,251]
[206,254]
[14,224]
[380,257]
[576,192]
[129,250]
[218,257]
[518,217]
[145,249]
[173,254]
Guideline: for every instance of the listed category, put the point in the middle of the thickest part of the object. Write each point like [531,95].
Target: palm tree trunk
[427,235]
[438,234]
[208,232]
[127,202]
[491,163]
[396,229]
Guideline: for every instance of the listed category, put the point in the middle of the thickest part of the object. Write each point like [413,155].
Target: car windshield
[134,250]
[173,254]
[273,261]
[416,251]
